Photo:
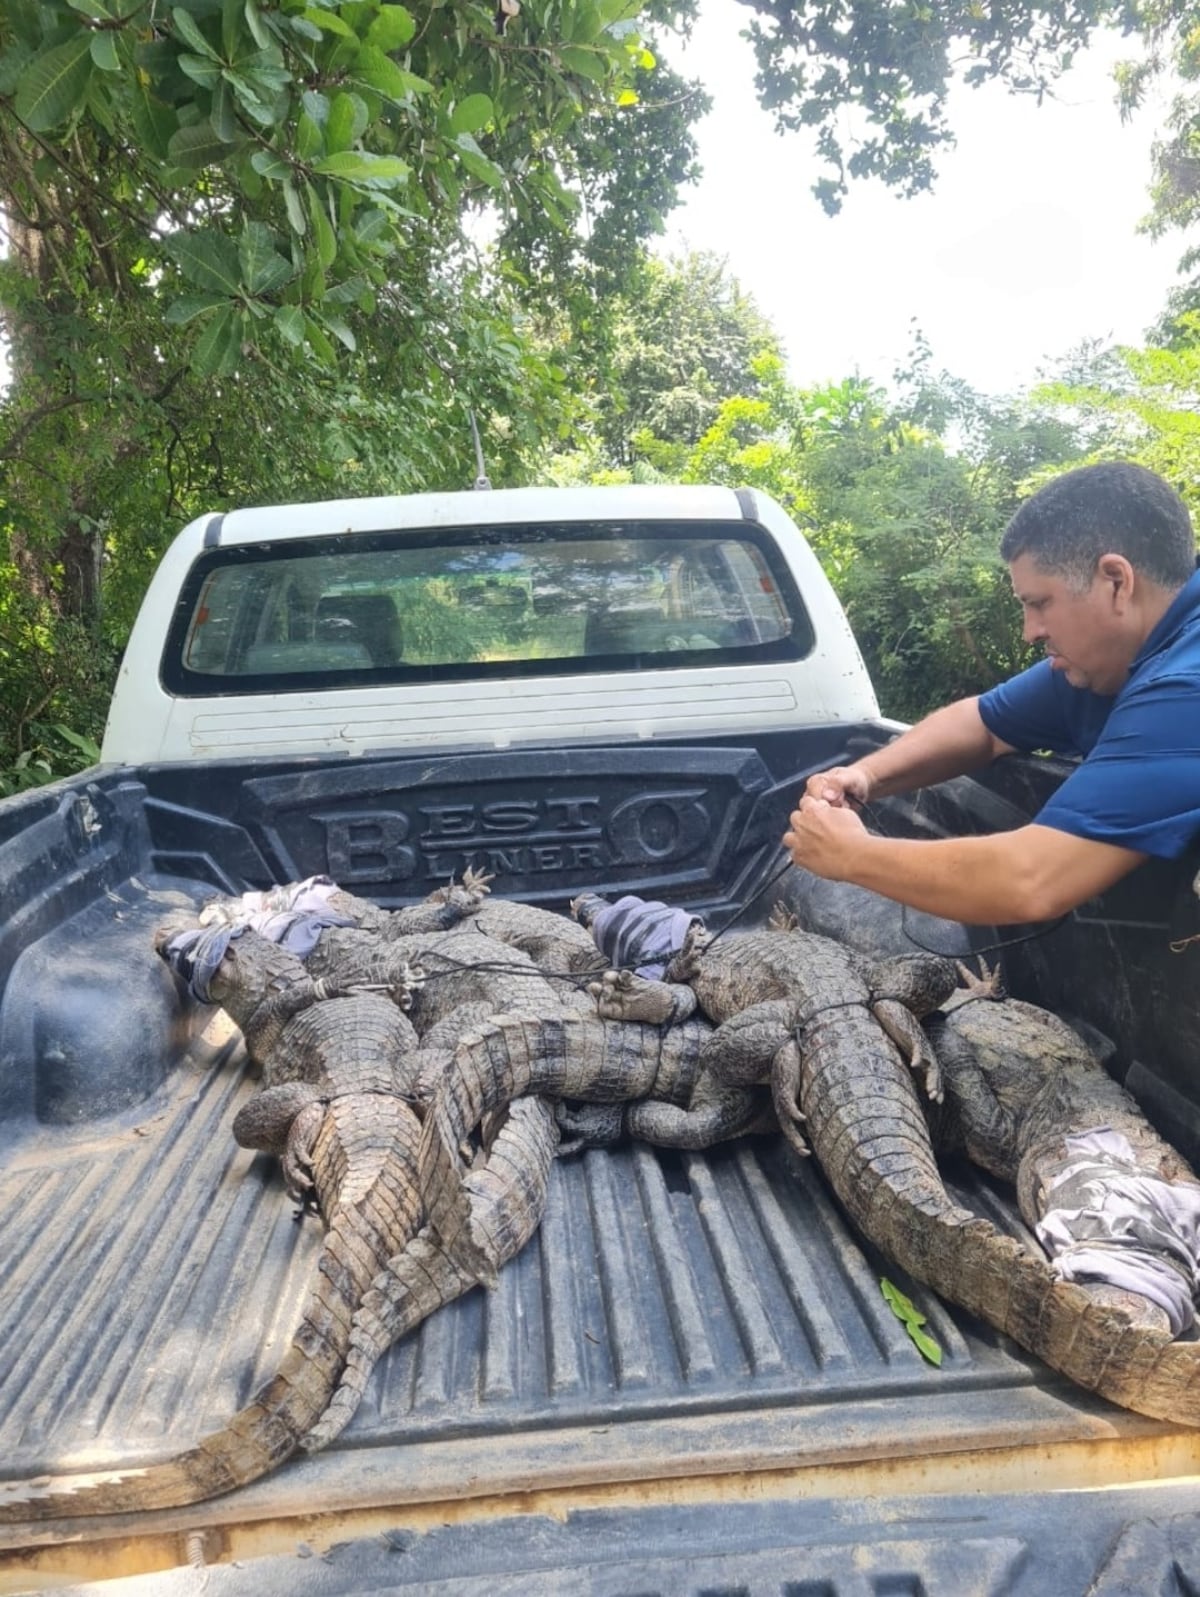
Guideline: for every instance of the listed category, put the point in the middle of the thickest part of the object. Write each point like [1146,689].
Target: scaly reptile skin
[573,1056]
[466,978]
[507,1196]
[1019,1081]
[336,1072]
[868,1131]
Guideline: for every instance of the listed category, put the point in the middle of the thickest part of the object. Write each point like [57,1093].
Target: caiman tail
[568,1056]
[869,1134]
[507,1197]
[370,1218]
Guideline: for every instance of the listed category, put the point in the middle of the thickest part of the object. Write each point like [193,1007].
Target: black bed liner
[687,1330]
[675,1314]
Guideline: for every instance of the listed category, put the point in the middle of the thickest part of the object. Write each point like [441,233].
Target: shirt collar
[1182,608]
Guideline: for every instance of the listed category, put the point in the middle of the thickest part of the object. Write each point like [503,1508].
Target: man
[1103,560]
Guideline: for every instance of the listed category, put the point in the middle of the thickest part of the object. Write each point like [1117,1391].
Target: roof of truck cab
[478,507]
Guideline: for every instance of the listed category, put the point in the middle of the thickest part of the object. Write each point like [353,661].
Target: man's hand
[825,838]
[839,785]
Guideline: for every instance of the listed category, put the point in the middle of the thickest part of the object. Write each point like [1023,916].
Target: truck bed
[688,1381]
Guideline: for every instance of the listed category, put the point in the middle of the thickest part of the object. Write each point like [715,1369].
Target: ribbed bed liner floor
[152,1273]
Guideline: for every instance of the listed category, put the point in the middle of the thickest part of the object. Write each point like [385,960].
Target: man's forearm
[951,742]
[1031,874]
[980,880]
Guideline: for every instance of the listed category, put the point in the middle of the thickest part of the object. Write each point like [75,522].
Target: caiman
[581,1057]
[464,980]
[337,1073]
[507,1196]
[868,1130]
[1028,1101]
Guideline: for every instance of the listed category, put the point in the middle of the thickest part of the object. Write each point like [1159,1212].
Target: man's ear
[1116,573]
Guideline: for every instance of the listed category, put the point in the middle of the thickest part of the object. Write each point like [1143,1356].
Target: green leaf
[54,83]
[202,69]
[348,118]
[289,324]
[188,29]
[219,346]
[330,22]
[153,122]
[259,31]
[295,210]
[233,26]
[12,67]
[221,115]
[100,12]
[372,225]
[477,163]
[587,63]
[471,114]
[906,1311]
[319,343]
[340,331]
[359,166]
[77,740]
[377,71]
[925,1344]
[209,260]
[188,306]
[263,268]
[391,29]
[197,145]
[269,164]
[326,239]
[309,139]
[104,51]
[316,106]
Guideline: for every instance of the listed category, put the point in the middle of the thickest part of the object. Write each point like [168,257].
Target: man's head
[1096,557]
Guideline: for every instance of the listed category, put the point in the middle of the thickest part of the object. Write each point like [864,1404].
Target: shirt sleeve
[1027,713]
[1140,786]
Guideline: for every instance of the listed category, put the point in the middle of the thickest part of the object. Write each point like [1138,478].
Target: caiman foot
[622,995]
[404,984]
[466,895]
[297,1155]
[686,963]
[988,983]
[904,1029]
[785,1095]
[588,1125]
[782,919]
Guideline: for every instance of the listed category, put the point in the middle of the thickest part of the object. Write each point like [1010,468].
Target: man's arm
[1032,874]
[951,742]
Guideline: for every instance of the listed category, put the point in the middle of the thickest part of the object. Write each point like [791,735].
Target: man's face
[1086,634]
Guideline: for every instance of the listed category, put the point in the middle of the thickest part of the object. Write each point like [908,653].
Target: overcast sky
[1027,246]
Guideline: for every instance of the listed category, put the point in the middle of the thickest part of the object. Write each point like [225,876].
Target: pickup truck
[689,1381]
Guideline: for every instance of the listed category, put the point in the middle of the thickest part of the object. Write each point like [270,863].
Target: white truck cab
[483,619]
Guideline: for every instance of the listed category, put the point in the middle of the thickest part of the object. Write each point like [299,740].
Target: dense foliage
[241,269]
[271,250]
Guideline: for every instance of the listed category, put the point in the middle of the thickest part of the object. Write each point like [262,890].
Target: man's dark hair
[1112,508]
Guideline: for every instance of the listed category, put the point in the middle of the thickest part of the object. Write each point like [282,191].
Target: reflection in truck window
[446,604]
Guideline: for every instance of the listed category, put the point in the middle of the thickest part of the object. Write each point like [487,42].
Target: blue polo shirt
[1139,783]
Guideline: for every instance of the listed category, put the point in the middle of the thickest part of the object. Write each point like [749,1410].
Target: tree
[892,67]
[685,338]
[908,501]
[240,265]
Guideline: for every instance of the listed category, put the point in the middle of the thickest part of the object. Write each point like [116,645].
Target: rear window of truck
[444,606]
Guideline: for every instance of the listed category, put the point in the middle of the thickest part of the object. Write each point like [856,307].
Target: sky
[1027,246]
